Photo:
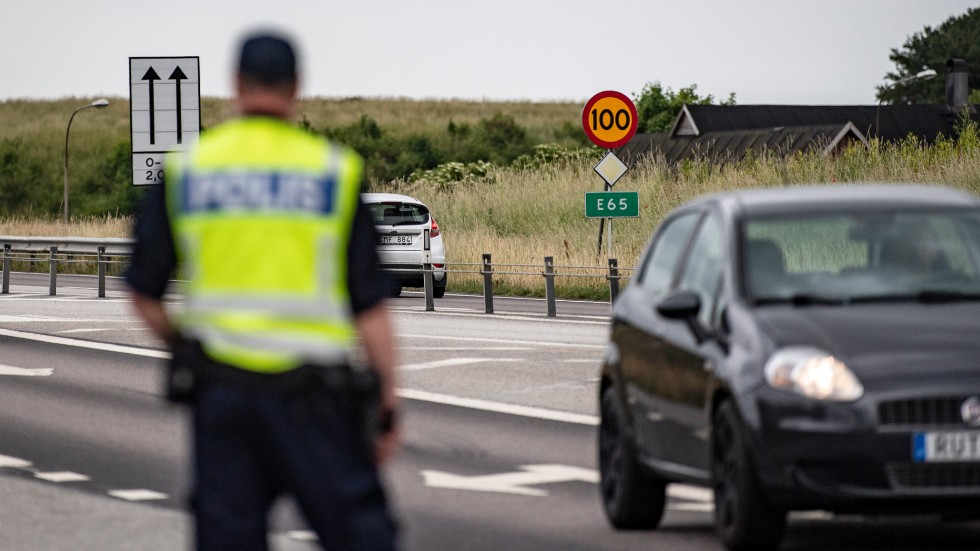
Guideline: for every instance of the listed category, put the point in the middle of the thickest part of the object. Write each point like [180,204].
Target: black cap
[268,59]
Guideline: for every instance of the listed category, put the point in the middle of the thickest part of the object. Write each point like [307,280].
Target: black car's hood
[884,340]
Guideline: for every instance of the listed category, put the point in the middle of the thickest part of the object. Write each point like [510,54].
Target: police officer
[279,257]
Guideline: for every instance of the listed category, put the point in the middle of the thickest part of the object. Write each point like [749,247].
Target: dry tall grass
[521,216]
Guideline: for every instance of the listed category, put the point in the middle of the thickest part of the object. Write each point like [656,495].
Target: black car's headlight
[813,373]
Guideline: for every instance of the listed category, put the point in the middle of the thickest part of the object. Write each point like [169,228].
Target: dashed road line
[138,495]
[302,535]
[14,462]
[497,407]
[503,341]
[26,372]
[62,476]
[453,362]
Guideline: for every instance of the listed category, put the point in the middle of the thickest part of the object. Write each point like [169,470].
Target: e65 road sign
[609,119]
[612,204]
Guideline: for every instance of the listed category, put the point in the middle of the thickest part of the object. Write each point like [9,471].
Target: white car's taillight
[434,231]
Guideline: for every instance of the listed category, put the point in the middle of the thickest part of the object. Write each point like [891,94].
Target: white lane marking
[38,319]
[467,348]
[47,298]
[496,407]
[106,347]
[302,535]
[503,341]
[90,330]
[691,493]
[14,463]
[599,320]
[62,476]
[26,372]
[695,507]
[451,362]
[137,495]
[21,319]
[512,483]
[483,405]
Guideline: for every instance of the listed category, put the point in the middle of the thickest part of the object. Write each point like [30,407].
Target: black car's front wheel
[744,518]
[631,497]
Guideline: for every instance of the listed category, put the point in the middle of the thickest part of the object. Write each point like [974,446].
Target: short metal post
[427,272]
[549,285]
[53,272]
[613,280]
[6,268]
[487,283]
[102,264]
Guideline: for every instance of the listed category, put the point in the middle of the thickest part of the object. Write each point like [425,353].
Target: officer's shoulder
[345,151]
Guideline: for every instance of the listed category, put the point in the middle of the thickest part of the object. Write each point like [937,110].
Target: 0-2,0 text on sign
[612,204]
[609,119]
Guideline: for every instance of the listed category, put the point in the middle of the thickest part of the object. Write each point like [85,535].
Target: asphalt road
[499,442]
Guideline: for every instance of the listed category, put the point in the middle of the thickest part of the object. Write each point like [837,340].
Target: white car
[401,221]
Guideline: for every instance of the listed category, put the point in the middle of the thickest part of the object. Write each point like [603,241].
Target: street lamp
[100,104]
[924,74]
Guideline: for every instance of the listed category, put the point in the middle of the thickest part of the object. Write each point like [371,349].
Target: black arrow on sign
[178,75]
[152,75]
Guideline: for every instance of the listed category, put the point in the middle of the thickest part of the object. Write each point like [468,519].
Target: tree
[957,37]
[657,107]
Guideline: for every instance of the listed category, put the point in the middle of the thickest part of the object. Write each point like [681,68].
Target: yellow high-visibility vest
[261,214]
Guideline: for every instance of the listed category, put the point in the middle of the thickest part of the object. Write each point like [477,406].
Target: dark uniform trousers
[254,443]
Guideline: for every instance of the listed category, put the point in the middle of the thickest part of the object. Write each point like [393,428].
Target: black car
[799,348]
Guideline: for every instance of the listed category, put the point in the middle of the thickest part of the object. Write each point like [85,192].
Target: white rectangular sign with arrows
[165,111]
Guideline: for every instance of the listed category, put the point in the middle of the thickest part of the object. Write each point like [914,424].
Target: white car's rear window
[398,214]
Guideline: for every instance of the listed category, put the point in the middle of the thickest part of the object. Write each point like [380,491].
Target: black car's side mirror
[681,305]
[685,306]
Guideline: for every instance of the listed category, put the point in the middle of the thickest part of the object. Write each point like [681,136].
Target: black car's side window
[702,273]
[662,261]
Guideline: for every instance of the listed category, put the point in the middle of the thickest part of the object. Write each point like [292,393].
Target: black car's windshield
[849,257]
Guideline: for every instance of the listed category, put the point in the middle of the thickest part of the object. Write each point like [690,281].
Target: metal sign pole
[609,245]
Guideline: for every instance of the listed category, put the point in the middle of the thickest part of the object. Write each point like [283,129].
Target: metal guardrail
[62,250]
[104,251]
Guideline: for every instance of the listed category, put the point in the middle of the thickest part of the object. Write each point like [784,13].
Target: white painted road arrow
[512,483]
[25,372]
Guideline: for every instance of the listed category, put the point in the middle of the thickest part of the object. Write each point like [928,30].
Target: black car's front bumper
[858,456]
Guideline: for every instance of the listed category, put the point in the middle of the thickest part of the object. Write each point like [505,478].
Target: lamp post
[925,74]
[99,104]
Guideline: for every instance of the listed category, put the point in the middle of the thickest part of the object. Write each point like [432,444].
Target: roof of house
[728,132]
[896,121]
[736,144]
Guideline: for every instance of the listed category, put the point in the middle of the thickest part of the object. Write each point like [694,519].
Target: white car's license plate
[395,240]
[946,446]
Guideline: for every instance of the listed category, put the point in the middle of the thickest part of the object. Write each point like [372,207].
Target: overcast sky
[766,51]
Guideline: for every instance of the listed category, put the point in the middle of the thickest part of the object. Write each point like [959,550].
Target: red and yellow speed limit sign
[609,119]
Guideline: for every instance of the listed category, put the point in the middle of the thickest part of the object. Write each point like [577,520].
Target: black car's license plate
[937,446]
[395,240]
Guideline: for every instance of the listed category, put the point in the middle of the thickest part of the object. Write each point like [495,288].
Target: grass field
[522,215]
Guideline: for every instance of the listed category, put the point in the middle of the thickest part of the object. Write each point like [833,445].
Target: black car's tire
[744,518]
[631,497]
[394,290]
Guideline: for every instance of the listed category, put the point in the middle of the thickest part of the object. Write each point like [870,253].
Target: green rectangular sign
[612,204]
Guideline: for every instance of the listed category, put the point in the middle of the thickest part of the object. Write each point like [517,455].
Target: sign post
[610,121]
[165,111]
